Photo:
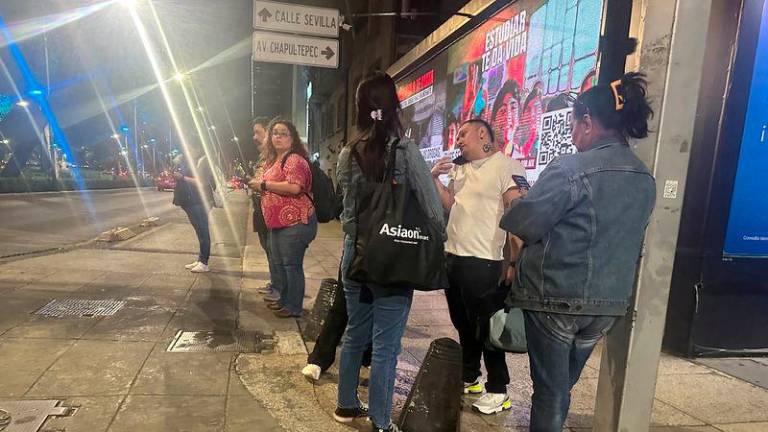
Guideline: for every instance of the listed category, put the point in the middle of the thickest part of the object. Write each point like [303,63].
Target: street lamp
[6,141]
[22,103]
[116,136]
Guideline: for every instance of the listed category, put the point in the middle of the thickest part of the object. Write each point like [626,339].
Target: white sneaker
[492,403]
[192,265]
[200,268]
[311,372]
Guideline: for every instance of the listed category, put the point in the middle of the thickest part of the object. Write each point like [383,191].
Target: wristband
[263,186]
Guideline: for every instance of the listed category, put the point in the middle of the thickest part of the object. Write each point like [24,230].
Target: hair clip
[377,115]
[618,97]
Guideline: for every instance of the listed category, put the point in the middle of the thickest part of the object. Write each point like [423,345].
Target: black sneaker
[391,428]
[347,415]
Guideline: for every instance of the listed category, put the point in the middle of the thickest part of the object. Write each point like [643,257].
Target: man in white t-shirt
[483,182]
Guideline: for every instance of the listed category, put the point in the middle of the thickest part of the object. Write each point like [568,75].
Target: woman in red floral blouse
[286,202]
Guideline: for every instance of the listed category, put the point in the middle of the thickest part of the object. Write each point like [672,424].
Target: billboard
[516,71]
[747,233]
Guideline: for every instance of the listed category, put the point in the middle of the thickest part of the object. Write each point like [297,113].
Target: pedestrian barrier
[434,403]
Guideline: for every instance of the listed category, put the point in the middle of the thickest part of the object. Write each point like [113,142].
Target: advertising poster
[747,233]
[516,71]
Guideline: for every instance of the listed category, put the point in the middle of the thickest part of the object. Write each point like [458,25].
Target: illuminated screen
[747,233]
[514,71]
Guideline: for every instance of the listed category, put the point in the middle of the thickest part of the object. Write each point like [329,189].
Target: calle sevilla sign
[293,18]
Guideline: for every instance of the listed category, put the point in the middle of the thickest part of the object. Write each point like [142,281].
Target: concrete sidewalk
[689,396]
[116,369]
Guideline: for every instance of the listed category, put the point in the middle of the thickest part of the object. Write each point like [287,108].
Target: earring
[487,148]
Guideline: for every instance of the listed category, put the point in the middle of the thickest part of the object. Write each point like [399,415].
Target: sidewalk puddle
[219,341]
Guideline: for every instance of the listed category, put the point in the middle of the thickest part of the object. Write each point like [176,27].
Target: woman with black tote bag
[394,233]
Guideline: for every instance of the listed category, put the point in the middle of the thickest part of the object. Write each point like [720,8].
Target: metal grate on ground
[219,341]
[80,308]
[28,415]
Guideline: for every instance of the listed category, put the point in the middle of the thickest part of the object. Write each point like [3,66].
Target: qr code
[555,136]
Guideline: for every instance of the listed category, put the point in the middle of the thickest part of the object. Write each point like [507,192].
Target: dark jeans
[324,352]
[198,217]
[558,348]
[471,283]
[287,247]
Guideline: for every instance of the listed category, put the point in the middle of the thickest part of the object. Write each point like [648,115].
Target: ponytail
[378,121]
[621,106]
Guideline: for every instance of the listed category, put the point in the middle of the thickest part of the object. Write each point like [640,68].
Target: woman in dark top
[383,319]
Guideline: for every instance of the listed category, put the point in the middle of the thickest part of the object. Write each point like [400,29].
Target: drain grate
[219,341]
[28,415]
[80,308]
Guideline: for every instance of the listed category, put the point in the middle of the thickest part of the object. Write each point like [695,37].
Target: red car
[165,181]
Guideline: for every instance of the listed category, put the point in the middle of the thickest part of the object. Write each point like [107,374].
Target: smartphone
[521,182]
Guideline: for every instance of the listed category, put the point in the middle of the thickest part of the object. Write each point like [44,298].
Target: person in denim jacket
[583,224]
[381,320]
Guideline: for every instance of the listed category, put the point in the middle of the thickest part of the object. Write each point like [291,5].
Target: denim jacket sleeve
[420,180]
[530,218]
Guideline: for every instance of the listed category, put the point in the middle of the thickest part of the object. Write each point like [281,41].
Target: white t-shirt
[473,225]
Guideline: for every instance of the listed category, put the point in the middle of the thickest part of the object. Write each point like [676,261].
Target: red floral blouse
[282,211]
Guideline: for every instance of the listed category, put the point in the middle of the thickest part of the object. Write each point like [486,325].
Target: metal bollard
[434,403]
[323,303]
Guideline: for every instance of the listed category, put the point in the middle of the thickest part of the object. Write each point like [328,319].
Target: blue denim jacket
[410,168]
[583,224]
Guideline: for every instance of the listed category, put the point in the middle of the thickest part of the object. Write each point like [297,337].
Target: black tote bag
[396,244]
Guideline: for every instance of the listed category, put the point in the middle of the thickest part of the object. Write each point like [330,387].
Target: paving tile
[670,365]
[22,361]
[38,326]
[161,282]
[717,398]
[683,429]
[132,324]
[65,281]
[170,373]
[93,368]
[170,413]
[743,427]
[92,414]
[244,413]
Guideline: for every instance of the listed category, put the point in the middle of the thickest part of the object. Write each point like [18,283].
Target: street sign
[293,18]
[302,50]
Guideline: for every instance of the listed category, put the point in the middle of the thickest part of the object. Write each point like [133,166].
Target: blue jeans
[198,217]
[287,247]
[558,348]
[382,322]
[264,241]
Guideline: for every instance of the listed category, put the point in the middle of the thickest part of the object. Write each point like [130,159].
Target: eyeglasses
[280,134]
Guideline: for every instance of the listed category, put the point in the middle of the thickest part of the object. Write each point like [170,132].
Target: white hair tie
[377,115]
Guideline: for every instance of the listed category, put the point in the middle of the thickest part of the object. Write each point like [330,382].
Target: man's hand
[442,166]
[510,276]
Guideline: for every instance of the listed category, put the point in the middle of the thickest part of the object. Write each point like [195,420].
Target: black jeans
[559,346]
[324,353]
[471,283]
[198,217]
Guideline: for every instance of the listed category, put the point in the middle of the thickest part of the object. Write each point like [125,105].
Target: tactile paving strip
[80,308]
[216,341]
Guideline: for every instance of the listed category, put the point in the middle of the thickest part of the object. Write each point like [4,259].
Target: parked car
[165,181]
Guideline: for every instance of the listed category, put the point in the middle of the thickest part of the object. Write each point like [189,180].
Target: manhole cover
[218,341]
[28,415]
[80,308]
